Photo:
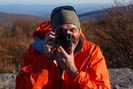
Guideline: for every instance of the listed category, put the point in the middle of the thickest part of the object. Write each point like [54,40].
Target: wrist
[74,71]
[77,70]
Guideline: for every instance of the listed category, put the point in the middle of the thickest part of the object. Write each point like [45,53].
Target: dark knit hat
[64,16]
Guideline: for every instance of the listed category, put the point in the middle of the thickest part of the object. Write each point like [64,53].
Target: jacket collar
[80,45]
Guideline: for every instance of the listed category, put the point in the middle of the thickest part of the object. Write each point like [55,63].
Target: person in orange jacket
[61,57]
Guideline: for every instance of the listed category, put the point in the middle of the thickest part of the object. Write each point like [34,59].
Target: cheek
[75,35]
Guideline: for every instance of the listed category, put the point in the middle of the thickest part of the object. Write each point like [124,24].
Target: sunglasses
[62,8]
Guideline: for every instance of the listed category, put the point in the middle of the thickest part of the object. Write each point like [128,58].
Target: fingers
[49,36]
[49,39]
[49,43]
[65,60]
[72,49]
[48,33]
[61,50]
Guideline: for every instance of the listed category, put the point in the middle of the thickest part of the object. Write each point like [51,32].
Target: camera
[63,39]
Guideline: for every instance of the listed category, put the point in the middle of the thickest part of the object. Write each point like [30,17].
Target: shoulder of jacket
[90,44]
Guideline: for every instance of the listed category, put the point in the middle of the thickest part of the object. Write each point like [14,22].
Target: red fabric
[40,72]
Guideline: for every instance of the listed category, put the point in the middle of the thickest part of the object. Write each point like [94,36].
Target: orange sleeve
[96,75]
[34,70]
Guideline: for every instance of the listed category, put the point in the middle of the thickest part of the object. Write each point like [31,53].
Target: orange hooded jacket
[37,71]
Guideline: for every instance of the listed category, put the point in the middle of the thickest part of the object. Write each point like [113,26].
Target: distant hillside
[8,19]
[99,14]
[92,15]
[45,10]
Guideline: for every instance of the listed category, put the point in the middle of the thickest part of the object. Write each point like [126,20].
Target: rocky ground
[7,81]
[121,78]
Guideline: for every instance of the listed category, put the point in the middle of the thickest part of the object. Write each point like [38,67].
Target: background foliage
[114,35]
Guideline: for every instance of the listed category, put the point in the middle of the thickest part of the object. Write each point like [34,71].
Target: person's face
[70,29]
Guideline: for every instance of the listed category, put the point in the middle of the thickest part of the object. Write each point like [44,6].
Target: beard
[75,41]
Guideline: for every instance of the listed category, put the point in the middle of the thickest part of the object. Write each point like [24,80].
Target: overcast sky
[5,2]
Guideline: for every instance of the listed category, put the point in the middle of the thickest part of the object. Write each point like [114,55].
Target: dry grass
[14,43]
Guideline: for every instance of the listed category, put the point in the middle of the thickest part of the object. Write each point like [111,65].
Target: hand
[49,44]
[66,61]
